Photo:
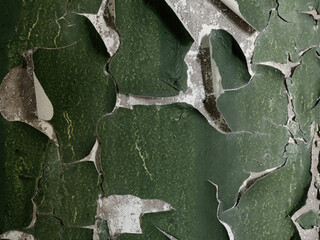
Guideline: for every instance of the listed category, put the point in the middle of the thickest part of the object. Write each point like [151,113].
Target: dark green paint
[257,106]
[176,142]
[150,60]
[180,149]
[7,26]
[53,227]
[46,226]
[256,12]
[230,60]
[9,19]
[305,32]
[74,81]
[72,200]
[265,209]
[169,138]
[278,39]
[22,166]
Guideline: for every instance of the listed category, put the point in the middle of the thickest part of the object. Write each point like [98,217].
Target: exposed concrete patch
[16,235]
[123,212]
[103,22]
[200,17]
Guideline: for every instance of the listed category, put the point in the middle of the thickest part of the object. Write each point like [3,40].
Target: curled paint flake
[123,212]
[23,99]
[199,18]
[167,234]
[234,7]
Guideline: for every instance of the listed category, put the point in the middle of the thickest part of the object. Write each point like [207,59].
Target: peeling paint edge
[226,226]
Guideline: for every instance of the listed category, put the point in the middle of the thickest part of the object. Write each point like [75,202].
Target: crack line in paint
[143,160]
[34,25]
[70,127]
[58,33]
[226,226]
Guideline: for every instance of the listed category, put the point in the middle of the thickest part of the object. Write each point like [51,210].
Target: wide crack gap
[313,199]
[226,226]
[34,205]
[278,14]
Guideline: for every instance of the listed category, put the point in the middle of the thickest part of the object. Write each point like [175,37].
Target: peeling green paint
[161,152]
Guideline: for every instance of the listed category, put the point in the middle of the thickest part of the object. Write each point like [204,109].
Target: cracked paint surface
[210,106]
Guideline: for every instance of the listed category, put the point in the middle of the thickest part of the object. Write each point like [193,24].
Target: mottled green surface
[150,60]
[51,227]
[263,102]
[167,152]
[70,191]
[229,58]
[22,156]
[80,92]
[47,226]
[154,152]
[305,33]
[161,153]
[264,211]
[256,12]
